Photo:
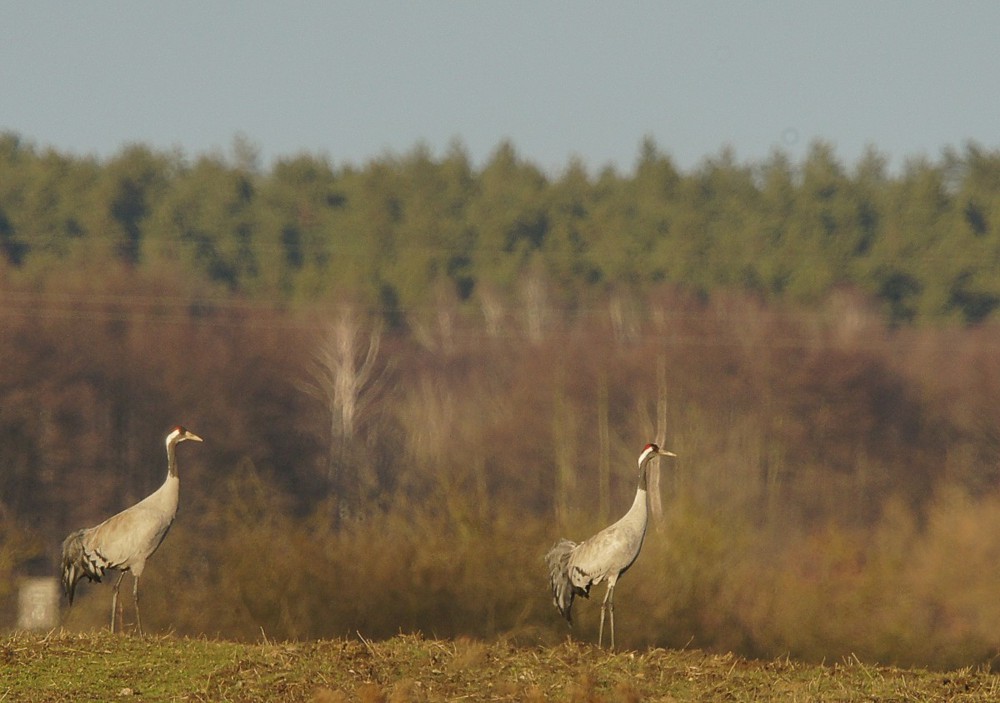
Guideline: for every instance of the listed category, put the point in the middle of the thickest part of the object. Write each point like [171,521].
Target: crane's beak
[664,452]
[192,435]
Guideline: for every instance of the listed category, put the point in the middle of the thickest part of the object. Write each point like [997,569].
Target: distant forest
[403,232]
[413,375]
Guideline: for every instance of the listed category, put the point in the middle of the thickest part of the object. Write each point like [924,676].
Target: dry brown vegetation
[836,491]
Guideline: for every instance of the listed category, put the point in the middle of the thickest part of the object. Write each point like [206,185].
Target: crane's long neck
[638,508]
[171,459]
[644,473]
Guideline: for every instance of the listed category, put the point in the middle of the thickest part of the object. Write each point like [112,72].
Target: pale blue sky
[355,80]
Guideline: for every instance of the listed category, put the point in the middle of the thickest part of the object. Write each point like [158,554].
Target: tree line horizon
[403,231]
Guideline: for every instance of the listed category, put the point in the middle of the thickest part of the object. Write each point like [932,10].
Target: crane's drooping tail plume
[563,590]
[77,562]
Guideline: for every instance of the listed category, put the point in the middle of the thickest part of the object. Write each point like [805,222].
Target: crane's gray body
[126,540]
[574,568]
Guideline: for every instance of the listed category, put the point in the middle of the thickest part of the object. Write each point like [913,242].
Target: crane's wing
[607,553]
[128,538]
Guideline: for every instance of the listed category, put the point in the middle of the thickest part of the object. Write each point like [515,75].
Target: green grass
[104,667]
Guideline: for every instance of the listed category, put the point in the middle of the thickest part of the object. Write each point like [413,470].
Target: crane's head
[179,434]
[652,450]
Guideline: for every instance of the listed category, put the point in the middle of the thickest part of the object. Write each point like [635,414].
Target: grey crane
[574,568]
[126,540]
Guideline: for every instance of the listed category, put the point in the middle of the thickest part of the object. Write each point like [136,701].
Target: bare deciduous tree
[656,502]
[493,309]
[345,376]
[534,295]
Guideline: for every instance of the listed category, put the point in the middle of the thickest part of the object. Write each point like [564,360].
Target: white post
[38,603]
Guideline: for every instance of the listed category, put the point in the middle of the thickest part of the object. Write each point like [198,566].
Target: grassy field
[103,667]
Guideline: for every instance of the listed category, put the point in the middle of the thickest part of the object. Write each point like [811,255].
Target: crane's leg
[611,613]
[135,599]
[114,600]
[600,632]
[604,608]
